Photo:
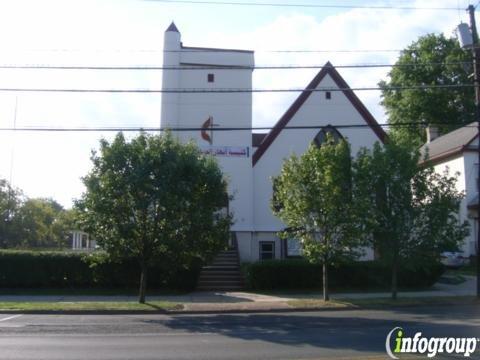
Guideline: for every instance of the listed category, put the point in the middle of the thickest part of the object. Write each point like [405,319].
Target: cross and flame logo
[207,125]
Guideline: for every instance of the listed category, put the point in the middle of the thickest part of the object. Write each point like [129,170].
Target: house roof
[327,69]
[452,144]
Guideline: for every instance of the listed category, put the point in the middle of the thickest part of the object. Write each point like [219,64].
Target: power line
[292,51]
[324,6]
[233,90]
[188,49]
[225,67]
[201,50]
[221,129]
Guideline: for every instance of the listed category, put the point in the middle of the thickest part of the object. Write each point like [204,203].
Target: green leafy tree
[431,60]
[65,222]
[10,201]
[41,223]
[312,196]
[155,199]
[411,212]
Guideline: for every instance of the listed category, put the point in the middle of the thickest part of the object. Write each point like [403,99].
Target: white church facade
[250,160]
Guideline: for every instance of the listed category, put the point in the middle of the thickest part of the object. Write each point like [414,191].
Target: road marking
[11,317]
[121,335]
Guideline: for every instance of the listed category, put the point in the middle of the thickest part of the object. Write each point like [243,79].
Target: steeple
[172,27]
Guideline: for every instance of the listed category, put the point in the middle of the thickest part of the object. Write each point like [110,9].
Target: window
[210,78]
[328,95]
[294,248]
[267,250]
[322,135]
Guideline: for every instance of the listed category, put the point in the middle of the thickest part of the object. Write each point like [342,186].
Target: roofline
[216,49]
[451,153]
[327,69]
[214,66]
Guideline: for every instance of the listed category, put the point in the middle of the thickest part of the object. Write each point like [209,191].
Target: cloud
[350,30]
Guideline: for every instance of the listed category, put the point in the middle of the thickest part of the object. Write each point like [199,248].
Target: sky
[130,33]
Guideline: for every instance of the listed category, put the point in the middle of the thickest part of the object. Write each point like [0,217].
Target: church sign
[225,151]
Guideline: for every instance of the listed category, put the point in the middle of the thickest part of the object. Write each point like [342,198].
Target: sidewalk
[247,301]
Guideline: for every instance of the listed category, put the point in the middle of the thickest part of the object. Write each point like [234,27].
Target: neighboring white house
[458,151]
[250,160]
[82,241]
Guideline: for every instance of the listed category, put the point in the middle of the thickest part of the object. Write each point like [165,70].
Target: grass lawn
[153,306]
[384,302]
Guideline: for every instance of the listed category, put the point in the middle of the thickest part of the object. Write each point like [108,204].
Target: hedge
[54,269]
[300,274]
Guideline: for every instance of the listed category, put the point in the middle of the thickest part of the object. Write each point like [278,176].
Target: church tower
[197,73]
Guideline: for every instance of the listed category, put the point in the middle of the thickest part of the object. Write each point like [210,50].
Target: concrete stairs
[223,274]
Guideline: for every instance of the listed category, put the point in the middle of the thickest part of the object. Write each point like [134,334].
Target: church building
[249,160]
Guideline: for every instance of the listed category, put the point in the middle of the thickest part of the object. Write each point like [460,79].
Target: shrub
[107,272]
[59,269]
[300,274]
[42,269]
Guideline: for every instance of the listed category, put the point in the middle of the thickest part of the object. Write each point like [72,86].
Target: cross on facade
[208,124]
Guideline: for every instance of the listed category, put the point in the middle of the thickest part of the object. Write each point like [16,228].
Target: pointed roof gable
[327,69]
[172,27]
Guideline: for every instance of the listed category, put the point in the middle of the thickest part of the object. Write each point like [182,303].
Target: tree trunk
[143,284]
[394,275]
[326,295]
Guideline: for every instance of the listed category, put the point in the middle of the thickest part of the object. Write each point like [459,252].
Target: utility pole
[476,77]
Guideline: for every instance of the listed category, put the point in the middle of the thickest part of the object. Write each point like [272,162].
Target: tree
[65,221]
[431,60]
[42,223]
[155,199]
[10,200]
[411,212]
[312,196]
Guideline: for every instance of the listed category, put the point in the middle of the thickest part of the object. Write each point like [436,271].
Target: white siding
[466,165]
[317,110]
[191,110]
[251,187]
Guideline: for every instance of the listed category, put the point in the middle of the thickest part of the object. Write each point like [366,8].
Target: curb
[286,309]
[212,311]
[171,312]
[83,312]
[256,311]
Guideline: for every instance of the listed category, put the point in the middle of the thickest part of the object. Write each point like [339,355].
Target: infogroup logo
[432,346]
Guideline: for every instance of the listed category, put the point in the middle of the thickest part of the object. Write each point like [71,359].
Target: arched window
[321,137]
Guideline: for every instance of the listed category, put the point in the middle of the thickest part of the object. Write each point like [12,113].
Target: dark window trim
[260,249]
[322,134]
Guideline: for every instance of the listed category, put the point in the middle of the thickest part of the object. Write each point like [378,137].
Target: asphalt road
[301,335]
